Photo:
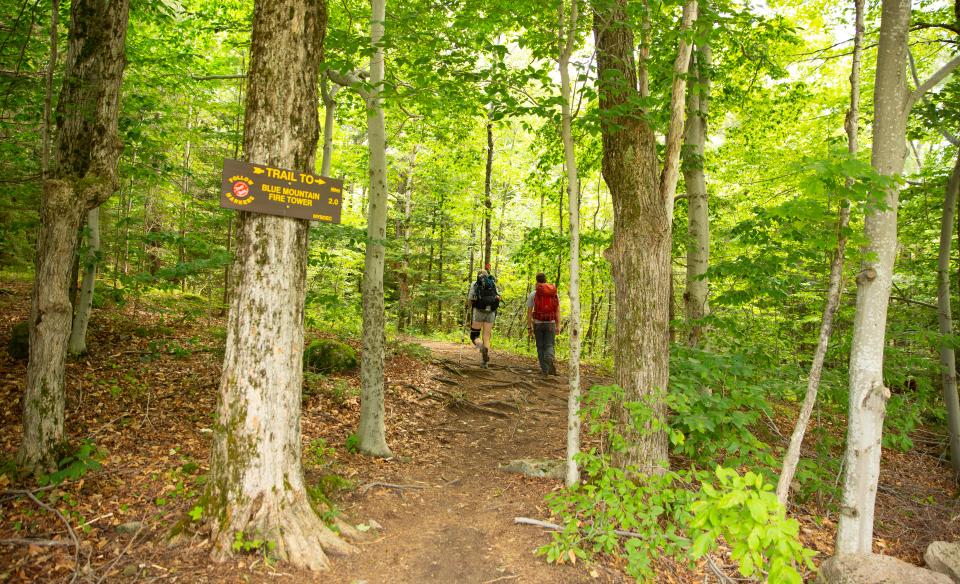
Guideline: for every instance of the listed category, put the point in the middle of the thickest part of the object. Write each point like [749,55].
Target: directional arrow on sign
[257,170]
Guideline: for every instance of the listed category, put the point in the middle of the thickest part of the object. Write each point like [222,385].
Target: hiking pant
[545,333]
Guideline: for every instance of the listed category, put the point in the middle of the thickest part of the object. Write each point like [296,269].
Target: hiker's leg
[475,327]
[487,333]
[539,333]
[549,338]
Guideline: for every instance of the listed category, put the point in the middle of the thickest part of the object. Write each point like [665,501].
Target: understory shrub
[682,514]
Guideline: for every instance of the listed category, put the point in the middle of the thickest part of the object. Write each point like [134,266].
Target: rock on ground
[944,557]
[875,569]
[551,469]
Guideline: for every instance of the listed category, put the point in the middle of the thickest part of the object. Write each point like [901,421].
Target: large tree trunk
[256,478]
[948,362]
[371,430]
[642,210]
[83,177]
[569,24]
[695,298]
[81,316]
[835,287]
[868,395]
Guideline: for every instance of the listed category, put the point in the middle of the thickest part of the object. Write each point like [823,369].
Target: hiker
[485,299]
[543,314]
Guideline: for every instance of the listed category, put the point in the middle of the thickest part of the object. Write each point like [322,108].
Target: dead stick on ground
[555,527]
[32,541]
[502,578]
[106,571]
[721,576]
[73,534]
[369,486]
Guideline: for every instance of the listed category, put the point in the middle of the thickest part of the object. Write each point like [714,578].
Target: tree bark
[835,287]
[695,298]
[81,317]
[948,361]
[868,395]
[83,177]
[640,253]
[256,478]
[372,430]
[329,95]
[569,24]
[48,89]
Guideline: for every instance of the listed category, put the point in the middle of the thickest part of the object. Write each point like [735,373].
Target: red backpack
[545,302]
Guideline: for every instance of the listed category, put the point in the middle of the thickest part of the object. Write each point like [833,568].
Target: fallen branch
[123,552]
[502,578]
[555,527]
[369,486]
[55,511]
[35,541]
[446,381]
[720,574]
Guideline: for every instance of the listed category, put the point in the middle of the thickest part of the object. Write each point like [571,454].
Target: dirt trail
[453,522]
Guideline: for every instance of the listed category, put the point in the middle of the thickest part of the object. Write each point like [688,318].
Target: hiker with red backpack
[485,299]
[543,315]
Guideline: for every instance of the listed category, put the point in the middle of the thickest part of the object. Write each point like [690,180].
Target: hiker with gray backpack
[485,299]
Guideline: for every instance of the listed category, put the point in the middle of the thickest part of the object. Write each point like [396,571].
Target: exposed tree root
[288,527]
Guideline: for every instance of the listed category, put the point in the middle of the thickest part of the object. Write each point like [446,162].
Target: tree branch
[216,77]
[351,80]
[916,80]
[671,158]
[932,81]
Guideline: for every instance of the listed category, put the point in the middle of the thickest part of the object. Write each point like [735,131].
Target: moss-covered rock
[329,356]
[19,345]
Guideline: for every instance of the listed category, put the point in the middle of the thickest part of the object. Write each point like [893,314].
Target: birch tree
[81,317]
[867,394]
[568,21]
[695,297]
[835,286]
[256,484]
[83,175]
[643,199]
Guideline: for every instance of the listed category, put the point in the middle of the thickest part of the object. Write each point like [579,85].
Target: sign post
[259,188]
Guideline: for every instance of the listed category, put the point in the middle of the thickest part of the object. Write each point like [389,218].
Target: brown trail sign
[277,191]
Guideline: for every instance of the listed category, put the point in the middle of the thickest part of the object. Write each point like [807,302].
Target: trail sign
[277,191]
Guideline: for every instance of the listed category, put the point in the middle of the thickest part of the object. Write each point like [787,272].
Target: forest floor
[445,509]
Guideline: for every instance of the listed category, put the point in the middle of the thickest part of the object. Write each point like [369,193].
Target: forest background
[476,174]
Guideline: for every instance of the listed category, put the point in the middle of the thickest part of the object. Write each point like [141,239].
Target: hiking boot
[552,370]
[486,355]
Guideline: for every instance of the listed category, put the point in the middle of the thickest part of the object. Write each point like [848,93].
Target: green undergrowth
[684,514]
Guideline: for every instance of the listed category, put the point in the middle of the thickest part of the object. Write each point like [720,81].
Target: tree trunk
[640,253]
[868,395]
[329,95]
[84,176]
[835,286]
[487,201]
[256,477]
[48,90]
[573,187]
[948,361]
[403,319]
[81,317]
[695,298]
[372,431]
